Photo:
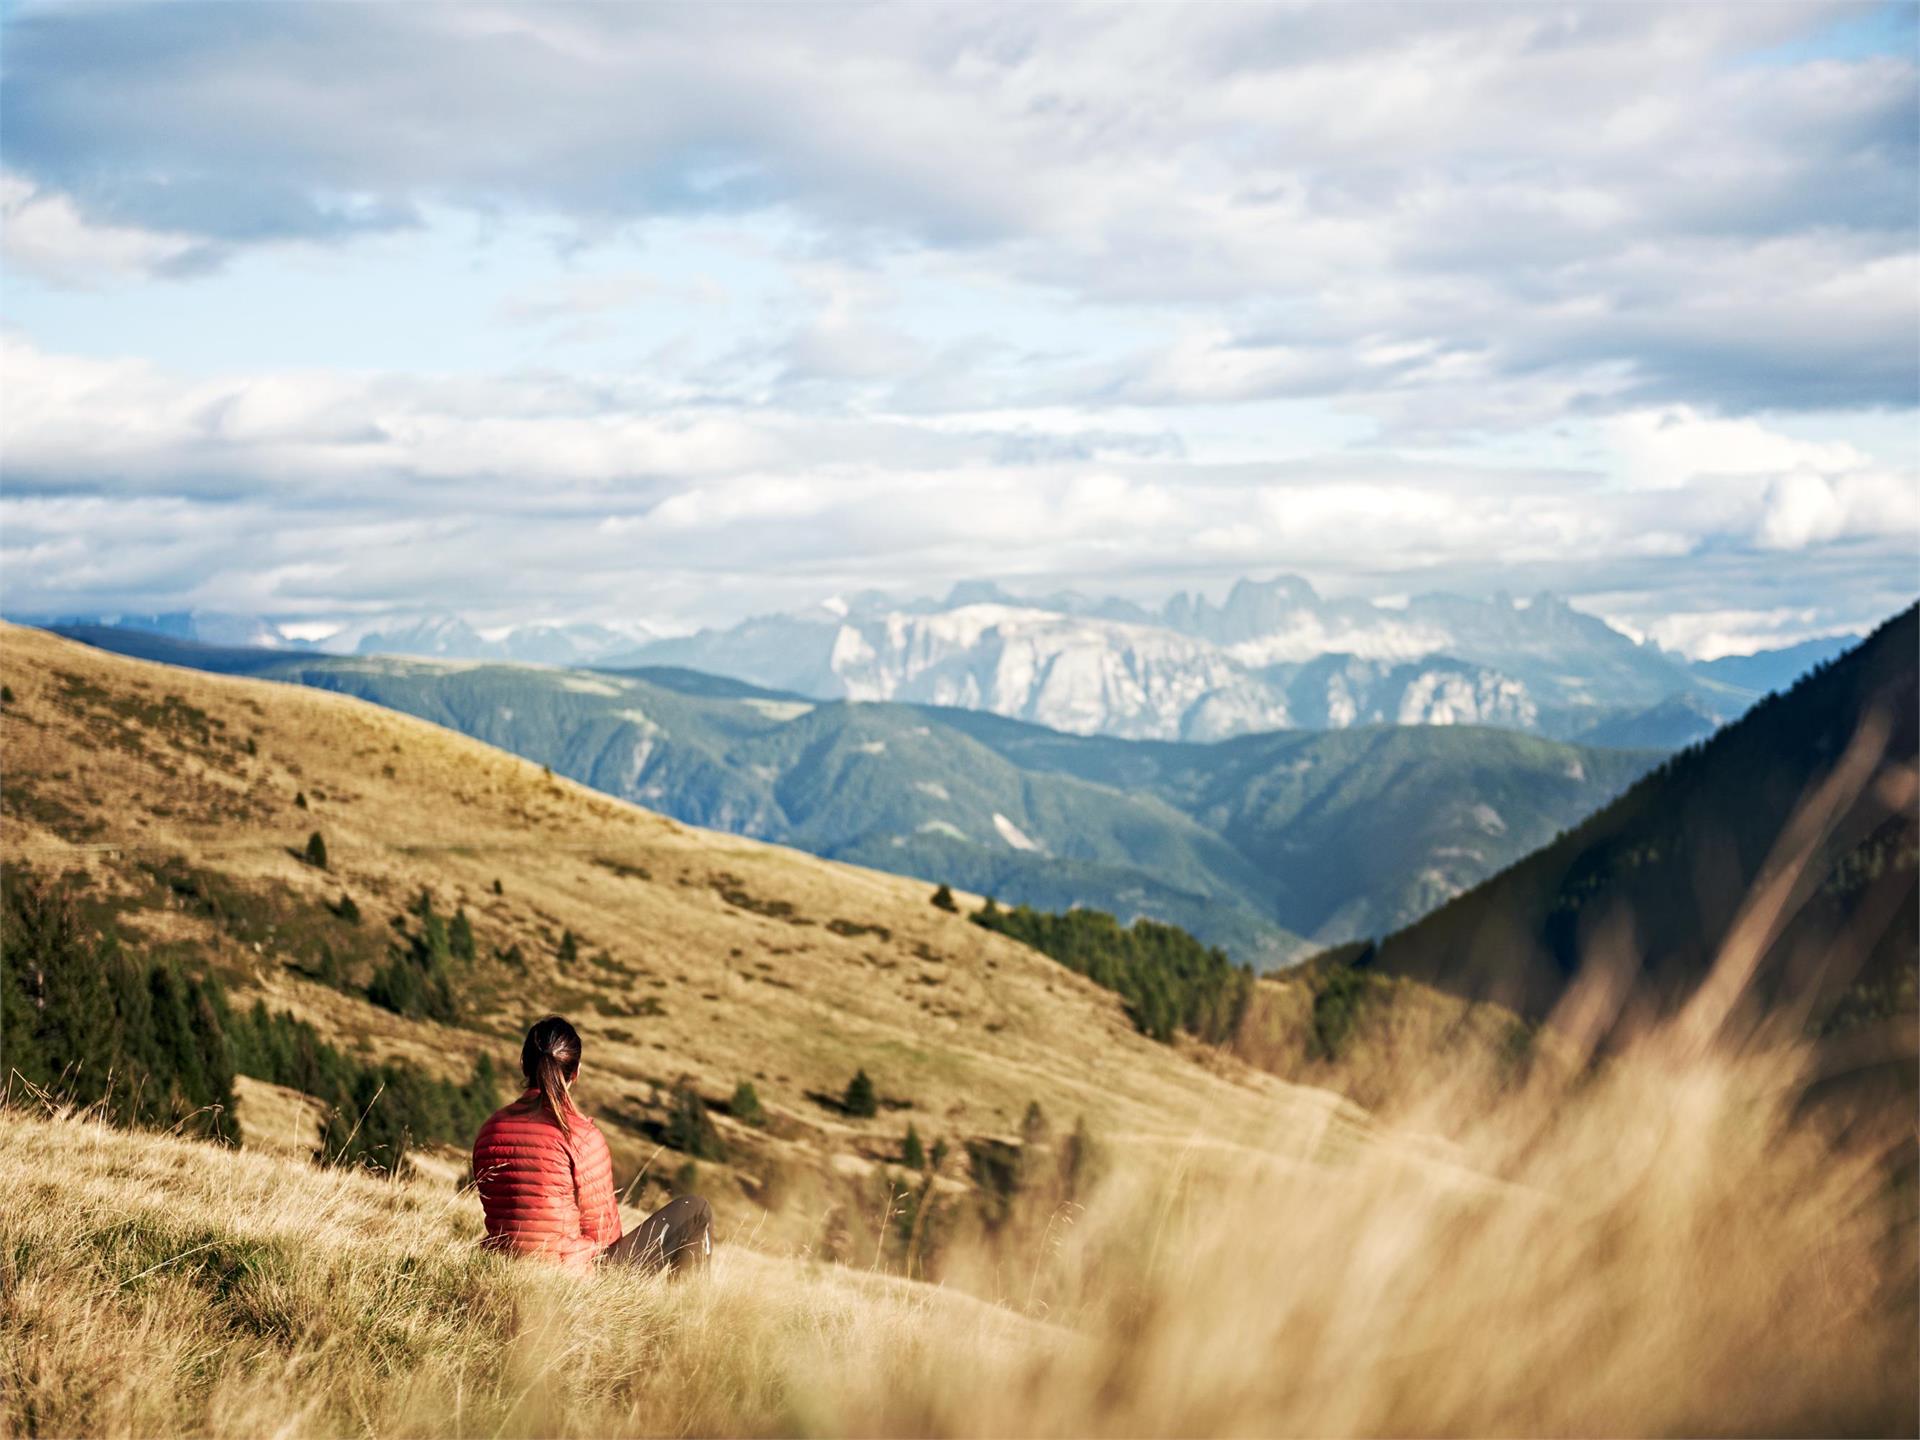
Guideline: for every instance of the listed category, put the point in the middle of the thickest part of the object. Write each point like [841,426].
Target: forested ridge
[1669,863]
[1168,979]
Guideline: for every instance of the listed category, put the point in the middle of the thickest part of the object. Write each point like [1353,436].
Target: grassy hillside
[1790,836]
[1249,844]
[177,808]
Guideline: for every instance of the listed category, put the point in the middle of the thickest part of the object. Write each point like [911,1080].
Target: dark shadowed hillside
[1654,882]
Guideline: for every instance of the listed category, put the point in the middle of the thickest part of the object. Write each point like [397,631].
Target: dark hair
[550,1059]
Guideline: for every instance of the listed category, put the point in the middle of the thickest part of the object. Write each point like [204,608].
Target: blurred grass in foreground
[1662,1247]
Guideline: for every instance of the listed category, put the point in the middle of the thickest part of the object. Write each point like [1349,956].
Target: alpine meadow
[965,719]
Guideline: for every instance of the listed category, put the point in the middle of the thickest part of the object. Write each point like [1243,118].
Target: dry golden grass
[1401,1031]
[157,1286]
[1661,1250]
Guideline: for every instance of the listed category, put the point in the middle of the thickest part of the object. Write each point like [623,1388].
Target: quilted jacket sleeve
[593,1185]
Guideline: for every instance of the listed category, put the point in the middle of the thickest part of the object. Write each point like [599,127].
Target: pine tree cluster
[418,979]
[1169,980]
[373,1114]
[88,1025]
[152,1047]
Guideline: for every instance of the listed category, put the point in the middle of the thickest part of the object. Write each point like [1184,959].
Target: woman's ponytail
[550,1059]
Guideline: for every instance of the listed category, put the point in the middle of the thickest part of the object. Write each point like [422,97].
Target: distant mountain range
[450,638]
[202,627]
[1260,843]
[1274,655]
[1653,882]
[446,637]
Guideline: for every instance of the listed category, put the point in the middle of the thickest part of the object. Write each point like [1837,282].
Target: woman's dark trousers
[677,1236]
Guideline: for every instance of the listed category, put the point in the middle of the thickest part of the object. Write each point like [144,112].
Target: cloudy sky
[612,312]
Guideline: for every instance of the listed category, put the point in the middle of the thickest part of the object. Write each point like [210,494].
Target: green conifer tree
[1082,1162]
[189,1086]
[73,1035]
[140,1070]
[18,1015]
[460,937]
[690,1129]
[745,1105]
[215,1106]
[860,1099]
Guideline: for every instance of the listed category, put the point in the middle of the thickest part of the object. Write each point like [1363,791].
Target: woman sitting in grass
[546,1179]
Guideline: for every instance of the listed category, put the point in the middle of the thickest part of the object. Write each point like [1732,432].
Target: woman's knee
[690,1231]
[687,1212]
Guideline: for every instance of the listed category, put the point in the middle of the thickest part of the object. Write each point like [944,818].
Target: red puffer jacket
[544,1192]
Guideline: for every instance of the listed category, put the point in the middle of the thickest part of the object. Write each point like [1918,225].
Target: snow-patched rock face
[1066,672]
[1274,654]
[1336,692]
[1481,697]
[1012,833]
[1095,675]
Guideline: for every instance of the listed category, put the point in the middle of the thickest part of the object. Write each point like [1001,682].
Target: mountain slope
[1660,874]
[175,806]
[1356,830]
[887,786]
[451,638]
[1769,670]
[1673,724]
[1374,827]
[1733,1273]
